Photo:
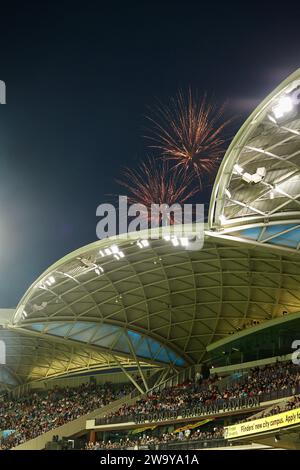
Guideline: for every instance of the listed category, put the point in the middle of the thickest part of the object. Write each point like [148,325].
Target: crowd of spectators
[36,413]
[39,412]
[280,408]
[154,442]
[271,378]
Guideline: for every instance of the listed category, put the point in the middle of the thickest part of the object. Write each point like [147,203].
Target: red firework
[191,133]
[155,182]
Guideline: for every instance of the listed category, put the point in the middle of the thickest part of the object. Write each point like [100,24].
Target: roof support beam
[129,376]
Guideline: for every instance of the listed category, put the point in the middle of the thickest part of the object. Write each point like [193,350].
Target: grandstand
[166,347]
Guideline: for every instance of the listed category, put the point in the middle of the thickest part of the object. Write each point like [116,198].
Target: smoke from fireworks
[191,133]
[154,182]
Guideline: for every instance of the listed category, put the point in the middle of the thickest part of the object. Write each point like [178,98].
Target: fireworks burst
[191,133]
[154,182]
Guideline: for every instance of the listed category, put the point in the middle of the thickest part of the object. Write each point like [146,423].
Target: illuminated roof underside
[259,179]
[30,358]
[162,303]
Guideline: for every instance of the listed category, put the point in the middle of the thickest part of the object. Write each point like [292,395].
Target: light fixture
[256,177]
[175,241]
[49,282]
[283,106]
[99,270]
[107,251]
[114,249]
[261,171]
[143,243]
[247,177]
[238,169]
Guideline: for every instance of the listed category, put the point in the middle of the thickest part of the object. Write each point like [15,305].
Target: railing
[136,417]
[193,444]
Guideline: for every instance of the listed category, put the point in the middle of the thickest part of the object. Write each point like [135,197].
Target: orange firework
[155,182]
[191,133]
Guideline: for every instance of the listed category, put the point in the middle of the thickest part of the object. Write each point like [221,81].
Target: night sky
[80,78]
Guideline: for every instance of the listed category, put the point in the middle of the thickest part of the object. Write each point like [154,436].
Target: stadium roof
[161,303]
[257,190]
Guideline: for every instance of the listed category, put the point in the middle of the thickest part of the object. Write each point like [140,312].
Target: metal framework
[161,304]
[269,140]
[153,302]
[30,357]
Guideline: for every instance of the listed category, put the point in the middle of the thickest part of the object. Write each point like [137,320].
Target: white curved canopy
[259,179]
[162,303]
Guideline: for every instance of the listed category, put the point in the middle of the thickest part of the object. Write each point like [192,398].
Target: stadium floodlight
[143,243]
[261,171]
[175,241]
[238,169]
[116,252]
[49,282]
[256,177]
[283,106]
[247,177]
[107,251]
[99,270]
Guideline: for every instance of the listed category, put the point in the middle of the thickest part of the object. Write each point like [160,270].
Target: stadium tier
[144,342]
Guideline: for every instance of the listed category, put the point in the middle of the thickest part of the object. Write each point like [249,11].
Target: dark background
[79,79]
